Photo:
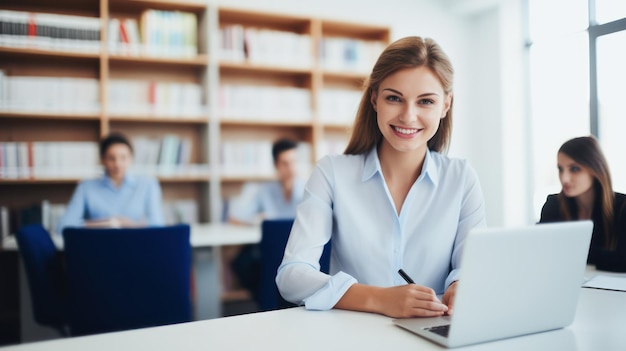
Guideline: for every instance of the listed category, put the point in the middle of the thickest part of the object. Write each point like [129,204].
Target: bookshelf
[39,60]
[296,76]
[313,121]
[206,88]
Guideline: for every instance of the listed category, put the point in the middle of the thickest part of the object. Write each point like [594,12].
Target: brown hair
[586,152]
[409,52]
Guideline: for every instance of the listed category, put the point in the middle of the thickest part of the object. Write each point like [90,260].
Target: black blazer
[607,260]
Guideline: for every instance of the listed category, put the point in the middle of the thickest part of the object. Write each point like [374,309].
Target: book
[52,94]
[169,151]
[267,103]
[5,226]
[114,35]
[132,32]
[23,161]
[123,37]
[49,31]
[4,93]
[10,158]
[155,98]
[168,33]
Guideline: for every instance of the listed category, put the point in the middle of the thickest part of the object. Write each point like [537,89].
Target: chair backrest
[274,236]
[130,278]
[44,272]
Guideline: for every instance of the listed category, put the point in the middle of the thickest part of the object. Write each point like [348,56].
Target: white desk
[202,235]
[206,241]
[599,325]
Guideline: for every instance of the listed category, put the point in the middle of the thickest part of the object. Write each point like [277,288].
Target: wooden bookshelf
[35,125]
[208,185]
[40,181]
[255,68]
[48,115]
[46,53]
[209,69]
[234,122]
[200,60]
[201,120]
[314,77]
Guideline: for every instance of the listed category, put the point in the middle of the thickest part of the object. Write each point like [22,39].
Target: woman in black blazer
[587,193]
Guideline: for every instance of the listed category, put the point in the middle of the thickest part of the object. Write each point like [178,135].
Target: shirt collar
[129,180]
[372,166]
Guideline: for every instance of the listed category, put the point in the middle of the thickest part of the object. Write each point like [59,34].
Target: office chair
[46,279]
[129,278]
[274,236]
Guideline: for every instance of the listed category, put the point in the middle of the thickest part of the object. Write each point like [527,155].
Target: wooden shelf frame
[206,68]
[49,115]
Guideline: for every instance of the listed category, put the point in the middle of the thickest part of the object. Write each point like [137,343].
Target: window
[609,10]
[576,55]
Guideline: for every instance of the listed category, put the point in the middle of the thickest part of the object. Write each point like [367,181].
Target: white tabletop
[202,235]
[599,325]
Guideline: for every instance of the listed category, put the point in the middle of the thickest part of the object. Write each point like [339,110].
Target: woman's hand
[411,300]
[402,301]
[448,296]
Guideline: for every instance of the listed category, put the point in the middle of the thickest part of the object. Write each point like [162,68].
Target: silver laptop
[512,282]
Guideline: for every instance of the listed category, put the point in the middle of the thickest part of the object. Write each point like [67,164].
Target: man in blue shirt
[273,200]
[118,199]
[276,199]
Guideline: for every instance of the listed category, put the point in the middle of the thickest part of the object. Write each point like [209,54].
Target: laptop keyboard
[440,330]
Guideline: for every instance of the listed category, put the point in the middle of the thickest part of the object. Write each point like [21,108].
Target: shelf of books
[202,92]
[347,53]
[72,71]
[283,75]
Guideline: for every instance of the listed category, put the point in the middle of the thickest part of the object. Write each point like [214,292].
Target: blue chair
[46,279]
[274,236]
[120,279]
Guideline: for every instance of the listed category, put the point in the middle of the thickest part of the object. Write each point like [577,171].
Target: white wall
[484,41]
[481,106]
[494,133]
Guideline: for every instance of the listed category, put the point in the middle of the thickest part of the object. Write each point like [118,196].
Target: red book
[152,93]
[32,27]
[123,33]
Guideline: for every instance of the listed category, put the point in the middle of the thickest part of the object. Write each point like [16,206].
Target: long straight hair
[409,52]
[586,151]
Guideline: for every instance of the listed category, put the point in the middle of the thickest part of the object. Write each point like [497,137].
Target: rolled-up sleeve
[299,278]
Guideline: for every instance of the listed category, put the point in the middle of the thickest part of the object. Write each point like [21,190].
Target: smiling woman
[410,105]
[392,201]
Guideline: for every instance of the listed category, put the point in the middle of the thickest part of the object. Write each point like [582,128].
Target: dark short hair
[281,146]
[112,139]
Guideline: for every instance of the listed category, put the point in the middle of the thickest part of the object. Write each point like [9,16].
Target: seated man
[272,200]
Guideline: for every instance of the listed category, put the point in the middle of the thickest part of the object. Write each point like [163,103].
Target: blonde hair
[409,52]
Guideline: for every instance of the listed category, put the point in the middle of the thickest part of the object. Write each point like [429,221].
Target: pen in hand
[408,279]
[405,276]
